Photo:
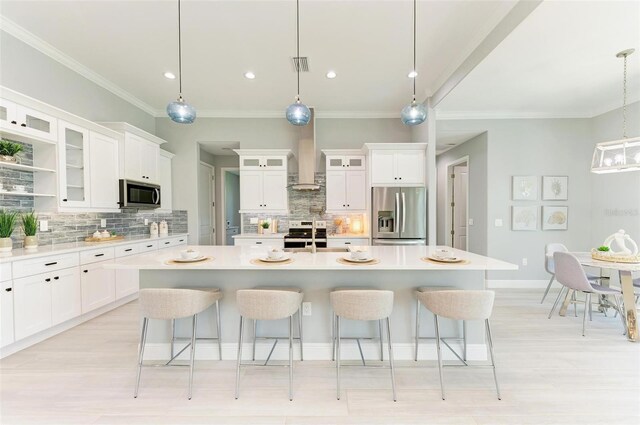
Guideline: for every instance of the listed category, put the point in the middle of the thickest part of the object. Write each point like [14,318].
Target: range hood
[307,157]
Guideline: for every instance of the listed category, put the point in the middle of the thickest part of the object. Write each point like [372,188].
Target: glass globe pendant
[414,113]
[181,112]
[298,113]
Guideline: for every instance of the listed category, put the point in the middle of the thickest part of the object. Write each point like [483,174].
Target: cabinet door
[98,286]
[355,190]
[73,165]
[251,163]
[133,157]
[6,312]
[164,178]
[103,161]
[8,117]
[32,304]
[383,168]
[274,187]
[149,153]
[274,162]
[354,162]
[410,166]
[250,190]
[335,162]
[127,282]
[35,123]
[336,190]
[66,300]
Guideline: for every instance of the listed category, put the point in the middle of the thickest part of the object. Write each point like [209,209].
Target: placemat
[178,263]
[259,262]
[351,263]
[442,263]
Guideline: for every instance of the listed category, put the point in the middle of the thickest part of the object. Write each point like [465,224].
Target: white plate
[190,260]
[273,260]
[447,259]
[353,260]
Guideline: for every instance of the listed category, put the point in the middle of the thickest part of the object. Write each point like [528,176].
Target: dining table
[625,272]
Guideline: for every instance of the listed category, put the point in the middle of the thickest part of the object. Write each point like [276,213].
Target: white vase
[30,242]
[6,244]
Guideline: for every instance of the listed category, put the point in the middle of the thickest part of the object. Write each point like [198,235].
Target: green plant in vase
[265,226]
[30,227]
[9,150]
[7,224]
[603,249]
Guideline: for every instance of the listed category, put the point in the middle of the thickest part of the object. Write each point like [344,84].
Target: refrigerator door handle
[404,212]
[397,212]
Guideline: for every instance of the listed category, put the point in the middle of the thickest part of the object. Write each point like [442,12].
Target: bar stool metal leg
[381,340]
[255,336]
[193,352]
[393,378]
[338,354]
[333,337]
[239,358]
[291,357]
[173,337]
[143,340]
[219,325]
[464,340]
[300,334]
[417,327]
[439,349]
[493,358]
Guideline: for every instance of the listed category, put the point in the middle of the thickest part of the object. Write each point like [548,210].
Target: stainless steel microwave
[140,195]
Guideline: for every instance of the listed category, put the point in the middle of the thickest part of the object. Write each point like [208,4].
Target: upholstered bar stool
[363,305]
[275,338]
[461,305]
[261,304]
[333,328]
[171,304]
[444,340]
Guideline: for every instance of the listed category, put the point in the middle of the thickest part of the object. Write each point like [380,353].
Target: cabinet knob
[23,125]
[399,178]
[56,278]
[64,200]
[85,271]
[343,205]
[348,205]
[13,122]
[48,279]
[8,289]
[395,178]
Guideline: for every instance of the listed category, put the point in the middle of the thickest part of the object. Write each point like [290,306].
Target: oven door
[139,195]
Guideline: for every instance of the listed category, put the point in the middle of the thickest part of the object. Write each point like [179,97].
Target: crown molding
[39,44]
[504,115]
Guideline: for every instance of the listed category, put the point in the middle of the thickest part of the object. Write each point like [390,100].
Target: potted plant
[29,227]
[265,227]
[9,150]
[604,250]
[7,223]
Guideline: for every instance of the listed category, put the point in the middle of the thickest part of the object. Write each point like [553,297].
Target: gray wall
[28,71]
[476,150]
[232,199]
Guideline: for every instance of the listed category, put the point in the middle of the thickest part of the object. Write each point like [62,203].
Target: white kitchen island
[400,269]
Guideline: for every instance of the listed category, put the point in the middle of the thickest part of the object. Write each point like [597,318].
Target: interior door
[205,203]
[459,208]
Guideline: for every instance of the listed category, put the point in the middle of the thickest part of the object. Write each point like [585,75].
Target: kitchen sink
[294,250]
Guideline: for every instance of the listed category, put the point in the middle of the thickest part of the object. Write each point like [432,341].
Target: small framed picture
[554,188]
[524,218]
[524,188]
[555,218]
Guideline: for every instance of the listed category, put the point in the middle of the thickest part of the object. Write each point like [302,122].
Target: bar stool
[171,304]
[261,304]
[333,327]
[218,330]
[363,305]
[255,324]
[461,305]
[462,358]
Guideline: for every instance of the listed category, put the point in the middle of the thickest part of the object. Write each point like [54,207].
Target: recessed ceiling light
[250,75]
[331,75]
[412,74]
[170,75]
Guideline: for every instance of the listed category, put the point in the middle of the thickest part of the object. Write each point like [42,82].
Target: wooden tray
[109,239]
[612,258]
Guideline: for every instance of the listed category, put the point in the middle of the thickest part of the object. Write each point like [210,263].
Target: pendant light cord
[624,100]
[179,50]
[414,50]
[298,44]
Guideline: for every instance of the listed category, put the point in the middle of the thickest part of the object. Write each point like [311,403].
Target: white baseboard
[208,350]
[48,333]
[517,284]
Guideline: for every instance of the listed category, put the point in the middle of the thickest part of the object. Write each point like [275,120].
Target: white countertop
[239,258]
[259,236]
[348,236]
[63,248]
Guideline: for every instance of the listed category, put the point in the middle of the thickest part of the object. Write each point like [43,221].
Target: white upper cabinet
[73,165]
[341,162]
[400,164]
[263,180]
[103,159]
[164,178]
[346,181]
[28,122]
[263,162]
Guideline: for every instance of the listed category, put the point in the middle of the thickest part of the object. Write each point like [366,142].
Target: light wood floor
[549,374]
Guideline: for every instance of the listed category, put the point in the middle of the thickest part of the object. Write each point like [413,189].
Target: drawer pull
[51,264]
[347,243]
[167,243]
[129,249]
[85,271]
[258,243]
[149,246]
[8,289]
[48,279]
[181,240]
[99,255]
[56,278]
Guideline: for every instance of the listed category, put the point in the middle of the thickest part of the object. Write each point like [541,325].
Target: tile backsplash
[10,178]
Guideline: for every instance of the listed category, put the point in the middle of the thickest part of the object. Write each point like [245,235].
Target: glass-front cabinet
[73,167]
[20,120]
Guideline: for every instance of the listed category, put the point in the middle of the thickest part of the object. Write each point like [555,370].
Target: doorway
[230,204]
[458,202]
[206,204]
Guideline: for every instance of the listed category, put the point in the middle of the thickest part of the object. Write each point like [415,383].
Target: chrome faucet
[313,236]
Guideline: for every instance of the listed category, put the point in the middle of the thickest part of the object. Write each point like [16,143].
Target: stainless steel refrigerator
[399,215]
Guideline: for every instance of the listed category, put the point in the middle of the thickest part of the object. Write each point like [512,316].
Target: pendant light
[414,113]
[180,111]
[618,155]
[298,113]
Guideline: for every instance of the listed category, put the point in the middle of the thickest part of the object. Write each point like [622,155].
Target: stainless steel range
[300,234]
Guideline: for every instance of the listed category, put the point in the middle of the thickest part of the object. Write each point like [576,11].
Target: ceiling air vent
[302,62]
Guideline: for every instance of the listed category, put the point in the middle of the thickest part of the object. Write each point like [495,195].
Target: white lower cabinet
[32,304]
[98,285]
[127,283]
[65,295]
[6,313]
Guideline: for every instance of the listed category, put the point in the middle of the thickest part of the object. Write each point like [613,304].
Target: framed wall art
[555,218]
[554,188]
[524,188]
[524,218]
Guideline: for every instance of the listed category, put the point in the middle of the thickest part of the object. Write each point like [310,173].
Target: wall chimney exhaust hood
[307,156]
